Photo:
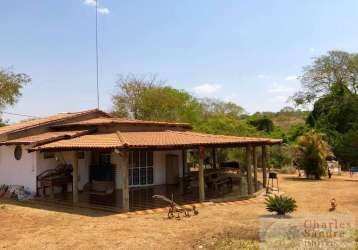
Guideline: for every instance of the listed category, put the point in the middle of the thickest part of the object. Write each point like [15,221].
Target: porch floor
[139,198]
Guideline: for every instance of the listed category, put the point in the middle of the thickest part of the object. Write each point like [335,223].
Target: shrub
[262,123]
[280,204]
[313,153]
[282,155]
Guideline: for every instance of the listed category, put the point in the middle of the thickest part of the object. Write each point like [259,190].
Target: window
[140,168]
[18,152]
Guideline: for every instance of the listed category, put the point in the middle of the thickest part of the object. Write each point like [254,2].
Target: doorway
[172,169]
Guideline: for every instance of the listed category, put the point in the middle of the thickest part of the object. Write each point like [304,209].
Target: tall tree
[130,89]
[335,112]
[332,84]
[163,103]
[215,107]
[337,68]
[262,123]
[11,84]
[147,98]
[346,147]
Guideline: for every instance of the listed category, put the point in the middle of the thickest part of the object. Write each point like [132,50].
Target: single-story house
[106,158]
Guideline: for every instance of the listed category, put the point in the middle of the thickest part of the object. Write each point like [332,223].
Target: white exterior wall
[17,172]
[117,161]
[24,171]
[160,168]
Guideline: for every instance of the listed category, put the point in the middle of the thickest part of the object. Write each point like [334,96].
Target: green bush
[313,152]
[280,204]
[262,123]
[281,155]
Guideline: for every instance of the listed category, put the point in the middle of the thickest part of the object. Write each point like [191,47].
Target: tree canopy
[337,68]
[262,123]
[163,103]
[149,98]
[130,88]
[330,83]
[11,84]
[335,112]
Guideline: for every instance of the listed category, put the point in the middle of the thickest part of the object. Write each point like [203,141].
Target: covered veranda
[129,197]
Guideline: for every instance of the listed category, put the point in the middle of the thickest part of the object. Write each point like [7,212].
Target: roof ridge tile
[121,139]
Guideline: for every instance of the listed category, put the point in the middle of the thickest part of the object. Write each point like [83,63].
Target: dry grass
[24,227]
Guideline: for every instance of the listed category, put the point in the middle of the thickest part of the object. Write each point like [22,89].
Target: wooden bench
[222,182]
[217,181]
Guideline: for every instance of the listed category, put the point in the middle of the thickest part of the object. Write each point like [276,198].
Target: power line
[97,53]
[17,114]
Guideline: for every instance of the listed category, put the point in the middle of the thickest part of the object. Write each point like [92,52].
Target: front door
[101,168]
[172,169]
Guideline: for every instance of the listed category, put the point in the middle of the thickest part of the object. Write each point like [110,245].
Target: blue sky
[248,52]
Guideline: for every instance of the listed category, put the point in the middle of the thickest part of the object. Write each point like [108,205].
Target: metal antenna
[97,54]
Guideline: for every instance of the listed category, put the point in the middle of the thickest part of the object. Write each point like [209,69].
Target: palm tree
[314,151]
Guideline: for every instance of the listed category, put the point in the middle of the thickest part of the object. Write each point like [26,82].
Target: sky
[247,52]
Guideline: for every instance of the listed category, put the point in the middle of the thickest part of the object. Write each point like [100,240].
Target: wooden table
[52,182]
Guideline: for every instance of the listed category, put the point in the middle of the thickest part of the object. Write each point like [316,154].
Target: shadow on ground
[302,179]
[58,208]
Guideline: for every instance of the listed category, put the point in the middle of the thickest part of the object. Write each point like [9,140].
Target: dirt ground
[39,227]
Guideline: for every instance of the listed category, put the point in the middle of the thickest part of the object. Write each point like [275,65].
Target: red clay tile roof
[110,121]
[46,137]
[185,138]
[92,141]
[161,139]
[43,121]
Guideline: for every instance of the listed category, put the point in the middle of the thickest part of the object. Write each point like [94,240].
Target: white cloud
[103,11]
[262,76]
[206,89]
[291,78]
[90,2]
[312,50]
[280,88]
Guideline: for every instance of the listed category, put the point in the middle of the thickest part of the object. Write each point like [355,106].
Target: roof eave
[57,120]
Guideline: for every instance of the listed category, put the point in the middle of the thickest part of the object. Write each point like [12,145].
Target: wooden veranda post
[201,174]
[249,172]
[254,157]
[125,186]
[184,161]
[263,164]
[243,184]
[75,178]
[214,158]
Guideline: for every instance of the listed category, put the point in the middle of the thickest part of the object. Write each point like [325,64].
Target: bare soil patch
[43,227]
